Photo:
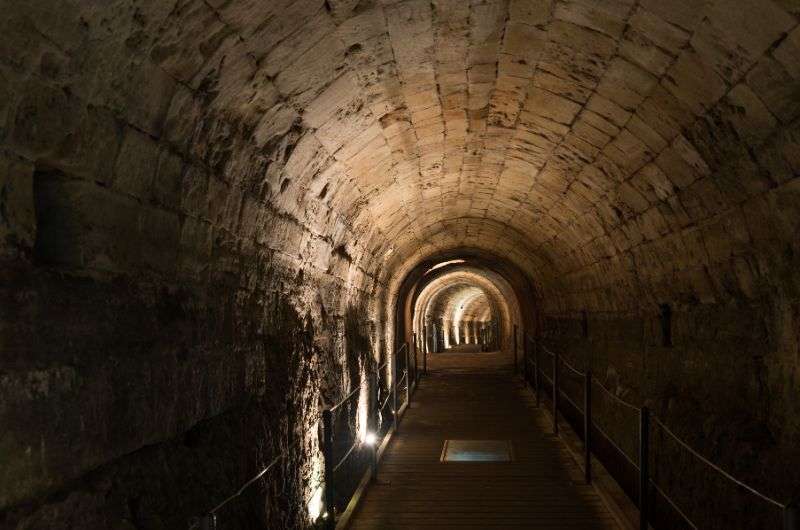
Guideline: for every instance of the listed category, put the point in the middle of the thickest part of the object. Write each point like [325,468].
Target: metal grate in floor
[477,451]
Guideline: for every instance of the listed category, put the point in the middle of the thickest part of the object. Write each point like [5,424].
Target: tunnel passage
[458,315]
[212,214]
[464,304]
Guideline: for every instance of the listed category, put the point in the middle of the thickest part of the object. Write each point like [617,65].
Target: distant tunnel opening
[465,301]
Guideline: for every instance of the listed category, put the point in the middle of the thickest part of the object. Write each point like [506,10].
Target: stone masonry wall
[173,290]
[727,385]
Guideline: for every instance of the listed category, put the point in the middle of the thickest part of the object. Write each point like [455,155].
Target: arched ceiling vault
[445,290]
[606,134]
[584,139]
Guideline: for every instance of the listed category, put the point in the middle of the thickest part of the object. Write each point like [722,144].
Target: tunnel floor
[476,397]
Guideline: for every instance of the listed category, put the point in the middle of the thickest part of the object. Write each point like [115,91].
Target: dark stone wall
[173,287]
[726,385]
[132,402]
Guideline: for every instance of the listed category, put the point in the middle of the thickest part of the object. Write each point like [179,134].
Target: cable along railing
[347,455]
[636,450]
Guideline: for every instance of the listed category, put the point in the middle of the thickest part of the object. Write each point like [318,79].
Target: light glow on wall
[314,502]
[363,407]
[445,264]
[463,306]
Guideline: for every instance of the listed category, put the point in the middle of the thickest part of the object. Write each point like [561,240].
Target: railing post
[526,367]
[587,426]
[644,461]
[515,348]
[536,379]
[555,393]
[791,515]
[425,352]
[375,390]
[416,358]
[395,411]
[408,378]
[208,522]
[327,451]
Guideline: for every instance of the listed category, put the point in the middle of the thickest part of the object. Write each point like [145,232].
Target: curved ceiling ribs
[464,293]
[582,139]
[569,135]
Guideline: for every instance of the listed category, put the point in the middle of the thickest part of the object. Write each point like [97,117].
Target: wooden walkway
[475,396]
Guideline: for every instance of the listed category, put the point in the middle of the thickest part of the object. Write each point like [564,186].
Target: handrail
[209,518]
[564,393]
[616,397]
[348,396]
[673,504]
[385,401]
[717,468]
[572,368]
[342,460]
[260,474]
[613,443]
[247,484]
[644,414]
[356,443]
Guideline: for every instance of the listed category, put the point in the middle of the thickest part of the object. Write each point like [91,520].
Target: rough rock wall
[174,288]
[630,153]
[718,245]
[724,377]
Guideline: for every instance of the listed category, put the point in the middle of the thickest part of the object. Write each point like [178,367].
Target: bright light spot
[314,502]
[370,438]
[445,264]
[363,413]
[315,505]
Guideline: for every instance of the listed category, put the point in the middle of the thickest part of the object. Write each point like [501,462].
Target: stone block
[168,179]
[694,82]
[192,33]
[83,225]
[626,84]
[160,233]
[531,13]
[44,118]
[90,151]
[640,50]
[681,13]
[146,107]
[550,106]
[6,104]
[136,164]
[776,87]
[194,250]
[608,109]
[17,215]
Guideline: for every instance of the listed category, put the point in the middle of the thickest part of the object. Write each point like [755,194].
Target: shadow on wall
[165,484]
[713,374]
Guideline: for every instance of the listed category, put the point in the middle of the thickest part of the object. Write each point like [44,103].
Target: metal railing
[636,451]
[347,455]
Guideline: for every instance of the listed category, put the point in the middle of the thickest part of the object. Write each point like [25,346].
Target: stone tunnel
[218,217]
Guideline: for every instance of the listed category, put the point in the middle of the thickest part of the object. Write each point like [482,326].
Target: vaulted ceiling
[616,150]
[563,134]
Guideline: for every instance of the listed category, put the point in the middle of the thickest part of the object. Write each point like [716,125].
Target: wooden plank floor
[475,396]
